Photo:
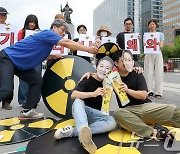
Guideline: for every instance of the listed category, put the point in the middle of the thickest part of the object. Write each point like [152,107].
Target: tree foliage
[172,51]
[177,47]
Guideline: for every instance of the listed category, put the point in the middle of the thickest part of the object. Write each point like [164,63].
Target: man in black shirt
[86,108]
[128,26]
[140,112]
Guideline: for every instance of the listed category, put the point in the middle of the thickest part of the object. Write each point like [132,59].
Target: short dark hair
[127,19]
[116,55]
[80,27]
[154,21]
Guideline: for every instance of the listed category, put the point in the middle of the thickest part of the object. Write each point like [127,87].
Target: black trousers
[8,99]
[31,77]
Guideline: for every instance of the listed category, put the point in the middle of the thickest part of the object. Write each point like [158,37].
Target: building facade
[151,9]
[112,14]
[171,20]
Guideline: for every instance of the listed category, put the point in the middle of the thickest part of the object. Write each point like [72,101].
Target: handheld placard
[115,80]
[107,98]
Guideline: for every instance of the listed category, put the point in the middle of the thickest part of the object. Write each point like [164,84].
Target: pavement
[171,93]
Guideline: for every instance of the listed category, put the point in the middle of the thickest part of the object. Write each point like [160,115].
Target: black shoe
[163,132]
[6,106]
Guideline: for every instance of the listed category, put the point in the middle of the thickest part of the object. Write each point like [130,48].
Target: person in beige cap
[103,31]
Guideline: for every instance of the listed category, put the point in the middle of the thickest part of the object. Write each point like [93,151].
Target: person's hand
[86,75]
[37,30]
[93,50]
[99,92]
[123,87]
[55,56]
[137,70]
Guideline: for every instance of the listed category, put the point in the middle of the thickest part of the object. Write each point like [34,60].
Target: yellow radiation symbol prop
[118,141]
[106,49]
[13,130]
[59,82]
[116,135]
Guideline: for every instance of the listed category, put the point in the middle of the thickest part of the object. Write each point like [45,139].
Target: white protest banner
[8,35]
[57,49]
[87,41]
[132,42]
[108,39]
[151,41]
[30,32]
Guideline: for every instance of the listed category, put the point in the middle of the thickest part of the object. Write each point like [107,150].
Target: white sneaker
[31,114]
[64,132]
[85,137]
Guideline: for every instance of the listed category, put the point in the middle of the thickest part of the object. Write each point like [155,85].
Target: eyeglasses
[63,29]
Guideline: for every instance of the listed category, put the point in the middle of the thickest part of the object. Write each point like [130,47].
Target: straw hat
[103,28]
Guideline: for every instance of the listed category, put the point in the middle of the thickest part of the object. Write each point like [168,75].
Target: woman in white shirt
[153,66]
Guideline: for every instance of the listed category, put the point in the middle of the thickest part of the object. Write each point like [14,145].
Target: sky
[45,10]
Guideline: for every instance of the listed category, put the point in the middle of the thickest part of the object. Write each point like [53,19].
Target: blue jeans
[24,87]
[93,118]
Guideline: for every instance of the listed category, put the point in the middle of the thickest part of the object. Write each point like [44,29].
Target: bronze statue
[67,11]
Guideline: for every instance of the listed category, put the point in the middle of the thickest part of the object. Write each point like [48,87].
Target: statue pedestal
[71,30]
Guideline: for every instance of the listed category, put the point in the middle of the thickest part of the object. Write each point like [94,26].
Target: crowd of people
[24,59]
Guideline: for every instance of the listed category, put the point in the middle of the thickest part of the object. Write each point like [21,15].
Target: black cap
[3,10]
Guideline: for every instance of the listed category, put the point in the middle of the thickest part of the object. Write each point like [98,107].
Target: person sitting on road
[86,108]
[140,112]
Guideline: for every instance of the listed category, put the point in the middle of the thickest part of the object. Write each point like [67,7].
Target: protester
[81,29]
[3,17]
[140,113]
[86,108]
[153,66]
[128,28]
[31,23]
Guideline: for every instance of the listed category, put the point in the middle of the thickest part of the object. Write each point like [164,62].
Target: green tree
[172,51]
[177,47]
[168,51]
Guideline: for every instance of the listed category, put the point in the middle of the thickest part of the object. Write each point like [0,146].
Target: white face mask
[128,62]
[103,34]
[103,68]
